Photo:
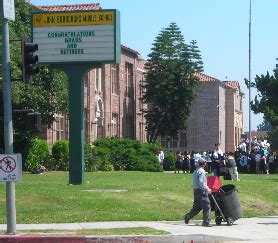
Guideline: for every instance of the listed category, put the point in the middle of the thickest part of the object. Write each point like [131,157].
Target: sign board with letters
[77,36]
[8,9]
[10,167]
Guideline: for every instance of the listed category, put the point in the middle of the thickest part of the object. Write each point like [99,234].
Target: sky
[220,27]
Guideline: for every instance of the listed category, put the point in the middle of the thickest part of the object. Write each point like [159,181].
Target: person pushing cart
[201,195]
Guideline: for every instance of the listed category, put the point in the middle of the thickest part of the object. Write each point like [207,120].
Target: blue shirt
[200,179]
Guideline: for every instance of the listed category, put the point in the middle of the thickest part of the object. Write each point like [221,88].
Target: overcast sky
[221,28]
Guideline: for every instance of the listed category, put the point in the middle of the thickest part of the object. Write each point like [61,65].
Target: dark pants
[201,202]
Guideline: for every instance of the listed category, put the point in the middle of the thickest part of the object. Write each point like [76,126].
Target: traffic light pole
[8,125]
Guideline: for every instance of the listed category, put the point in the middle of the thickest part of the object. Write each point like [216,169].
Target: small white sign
[10,167]
[8,9]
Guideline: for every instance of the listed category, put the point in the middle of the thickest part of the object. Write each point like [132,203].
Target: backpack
[230,162]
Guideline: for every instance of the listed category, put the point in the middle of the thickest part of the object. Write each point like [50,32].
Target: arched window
[98,79]
[99,110]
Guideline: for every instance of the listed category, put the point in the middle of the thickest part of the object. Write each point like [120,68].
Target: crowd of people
[261,160]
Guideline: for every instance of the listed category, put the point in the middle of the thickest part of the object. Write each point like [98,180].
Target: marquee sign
[76,37]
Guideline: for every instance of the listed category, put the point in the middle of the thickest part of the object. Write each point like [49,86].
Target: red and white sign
[10,167]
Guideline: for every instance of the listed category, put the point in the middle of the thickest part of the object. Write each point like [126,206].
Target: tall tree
[47,93]
[169,84]
[266,102]
[264,126]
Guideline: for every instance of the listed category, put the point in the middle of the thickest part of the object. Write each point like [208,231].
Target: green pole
[76,73]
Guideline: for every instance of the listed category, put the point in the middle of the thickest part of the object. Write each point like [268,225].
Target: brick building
[216,117]
[112,105]
[113,108]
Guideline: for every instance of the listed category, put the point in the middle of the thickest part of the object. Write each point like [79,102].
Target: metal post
[76,75]
[8,126]
[250,137]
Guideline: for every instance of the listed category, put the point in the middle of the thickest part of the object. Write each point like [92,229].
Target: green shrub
[97,159]
[37,154]
[132,155]
[169,160]
[60,156]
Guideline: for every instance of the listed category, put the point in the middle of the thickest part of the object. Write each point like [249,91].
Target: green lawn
[150,196]
[115,231]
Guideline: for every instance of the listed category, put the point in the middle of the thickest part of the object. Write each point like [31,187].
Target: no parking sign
[10,167]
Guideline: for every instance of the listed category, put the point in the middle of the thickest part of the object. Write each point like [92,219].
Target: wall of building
[234,118]
[222,116]
[230,119]
[216,115]
[203,123]
[139,106]
[108,113]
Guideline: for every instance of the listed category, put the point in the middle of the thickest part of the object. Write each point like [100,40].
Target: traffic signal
[29,60]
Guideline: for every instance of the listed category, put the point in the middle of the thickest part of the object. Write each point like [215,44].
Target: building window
[86,126]
[129,80]
[86,80]
[115,123]
[98,79]
[57,128]
[164,141]
[236,142]
[129,127]
[182,139]
[173,143]
[115,78]
[141,93]
[60,128]
[62,122]
[66,128]
[220,136]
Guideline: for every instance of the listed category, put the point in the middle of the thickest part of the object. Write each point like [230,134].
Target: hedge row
[105,154]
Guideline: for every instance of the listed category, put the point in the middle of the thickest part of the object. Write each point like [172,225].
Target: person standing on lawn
[231,164]
[201,195]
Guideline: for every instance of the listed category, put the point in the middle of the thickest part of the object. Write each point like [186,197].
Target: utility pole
[250,137]
[7,11]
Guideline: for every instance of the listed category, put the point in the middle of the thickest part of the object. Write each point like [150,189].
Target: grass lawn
[149,197]
[115,231]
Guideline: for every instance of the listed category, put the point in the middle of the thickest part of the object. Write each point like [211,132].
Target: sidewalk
[263,229]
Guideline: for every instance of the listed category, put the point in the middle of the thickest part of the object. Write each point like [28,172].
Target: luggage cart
[226,204]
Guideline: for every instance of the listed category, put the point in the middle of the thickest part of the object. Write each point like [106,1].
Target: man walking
[201,198]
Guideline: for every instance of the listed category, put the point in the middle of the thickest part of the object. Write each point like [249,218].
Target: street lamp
[249,83]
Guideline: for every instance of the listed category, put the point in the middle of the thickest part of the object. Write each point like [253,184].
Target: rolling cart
[224,201]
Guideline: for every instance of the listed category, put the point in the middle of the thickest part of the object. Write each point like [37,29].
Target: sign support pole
[8,126]
[76,73]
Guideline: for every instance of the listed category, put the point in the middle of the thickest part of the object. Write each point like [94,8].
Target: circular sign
[7,164]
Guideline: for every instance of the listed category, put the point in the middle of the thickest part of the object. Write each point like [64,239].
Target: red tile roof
[129,49]
[232,84]
[205,78]
[141,65]
[70,7]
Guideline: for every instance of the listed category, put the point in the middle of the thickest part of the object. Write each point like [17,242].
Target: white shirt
[242,146]
[161,156]
[217,152]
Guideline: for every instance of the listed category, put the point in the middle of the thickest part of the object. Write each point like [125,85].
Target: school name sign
[76,37]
